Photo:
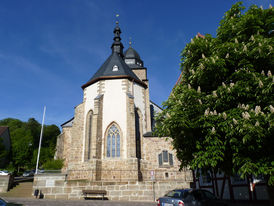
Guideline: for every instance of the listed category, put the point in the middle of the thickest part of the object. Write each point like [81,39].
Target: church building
[110,139]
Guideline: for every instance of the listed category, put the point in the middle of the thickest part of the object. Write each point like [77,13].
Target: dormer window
[115,68]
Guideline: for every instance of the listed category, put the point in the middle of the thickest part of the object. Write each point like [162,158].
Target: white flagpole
[41,135]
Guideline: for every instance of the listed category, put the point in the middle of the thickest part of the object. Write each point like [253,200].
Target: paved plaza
[46,202]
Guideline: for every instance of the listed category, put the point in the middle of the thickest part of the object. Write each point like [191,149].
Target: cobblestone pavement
[46,202]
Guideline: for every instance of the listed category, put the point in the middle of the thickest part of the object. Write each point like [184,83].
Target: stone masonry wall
[58,187]
[112,169]
[120,169]
[75,148]
[140,73]
[152,147]
[62,146]
[155,145]
[5,183]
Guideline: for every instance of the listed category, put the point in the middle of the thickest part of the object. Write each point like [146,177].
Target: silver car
[189,197]
[4,172]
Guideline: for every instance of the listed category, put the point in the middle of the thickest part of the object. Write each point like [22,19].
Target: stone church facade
[109,143]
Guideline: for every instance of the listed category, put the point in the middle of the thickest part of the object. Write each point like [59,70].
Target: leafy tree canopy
[221,114]
[25,141]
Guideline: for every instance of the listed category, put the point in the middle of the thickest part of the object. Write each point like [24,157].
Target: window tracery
[113,141]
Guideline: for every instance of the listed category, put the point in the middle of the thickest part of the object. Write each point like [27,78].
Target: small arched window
[115,68]
[88,135]
[113,141]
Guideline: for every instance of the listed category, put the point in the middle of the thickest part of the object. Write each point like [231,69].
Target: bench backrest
[95,192]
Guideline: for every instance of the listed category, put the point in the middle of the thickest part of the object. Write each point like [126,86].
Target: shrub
[53,164]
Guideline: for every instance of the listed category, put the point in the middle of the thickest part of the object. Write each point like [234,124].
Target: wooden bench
[94,192]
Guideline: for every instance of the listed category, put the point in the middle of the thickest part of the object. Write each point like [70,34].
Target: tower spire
[117,45]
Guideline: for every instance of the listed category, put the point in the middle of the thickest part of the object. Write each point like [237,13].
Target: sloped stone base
[56,186]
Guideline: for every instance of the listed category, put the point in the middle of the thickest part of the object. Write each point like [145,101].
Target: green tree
[21,142]
[35,128]
[220,116]
[50,136]
[21,147]
[53,164]
[45,155]
[25,142]
[48,145]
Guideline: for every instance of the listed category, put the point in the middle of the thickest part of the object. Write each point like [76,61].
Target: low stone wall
[56,186]
[5,183]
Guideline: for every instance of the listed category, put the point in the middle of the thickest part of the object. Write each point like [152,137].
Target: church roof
[132,58]
[131,54]
[115,67]
[68,123]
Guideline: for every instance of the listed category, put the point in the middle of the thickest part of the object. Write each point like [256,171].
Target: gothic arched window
[113,141]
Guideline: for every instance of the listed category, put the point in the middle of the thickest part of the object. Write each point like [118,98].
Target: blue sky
[50,48]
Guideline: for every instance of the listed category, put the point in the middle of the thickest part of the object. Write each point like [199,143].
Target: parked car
[5,203]
[4,172]
[40,171]
[28,173]
[189,197]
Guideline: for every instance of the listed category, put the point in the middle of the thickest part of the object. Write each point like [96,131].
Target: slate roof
[68,123]
[115,66]
[106,71]
[131,54]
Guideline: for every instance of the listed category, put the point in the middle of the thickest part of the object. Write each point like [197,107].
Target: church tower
[109,144]
[110,137]
[108,127]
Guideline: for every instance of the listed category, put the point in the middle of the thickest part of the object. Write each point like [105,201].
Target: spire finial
[117,45]
[117,19]
[130,41]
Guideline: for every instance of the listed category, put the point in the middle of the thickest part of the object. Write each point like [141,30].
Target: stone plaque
[50,183]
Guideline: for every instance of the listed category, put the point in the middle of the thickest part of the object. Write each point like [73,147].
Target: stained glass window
[113,142]
[118,145]
[108,146]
